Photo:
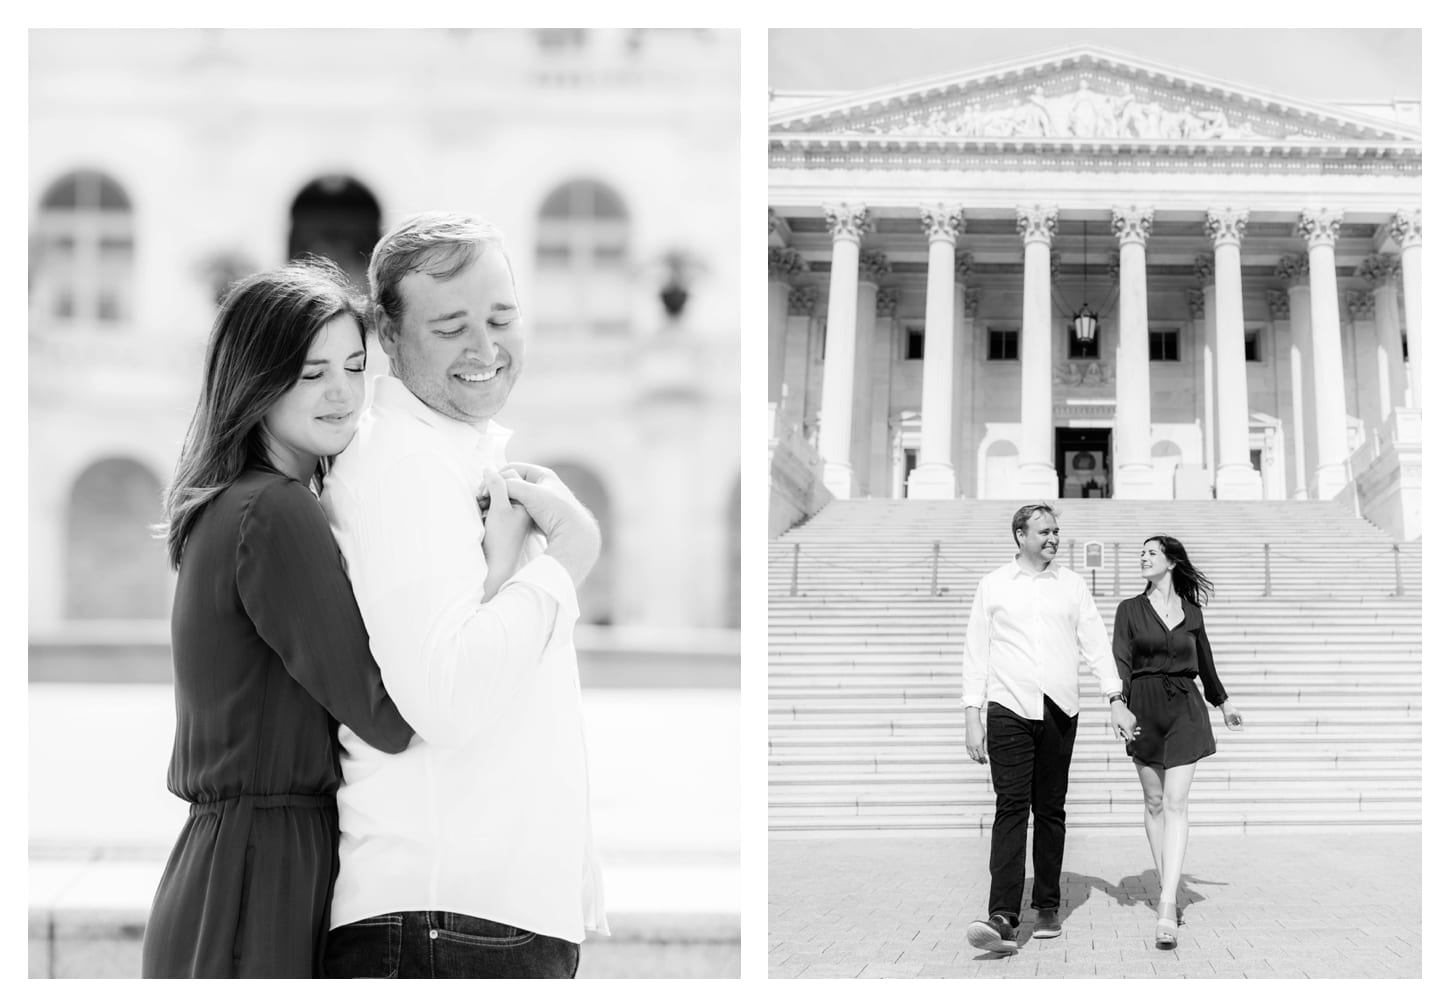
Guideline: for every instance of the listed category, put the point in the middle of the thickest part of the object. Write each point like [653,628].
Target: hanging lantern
[1085,324]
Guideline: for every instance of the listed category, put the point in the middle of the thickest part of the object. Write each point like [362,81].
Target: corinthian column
[1236,479]
[847,225]
[1383,272]
[1320,229]
[934,477]
[800,309]
[1294,271]
[1406,230]
[1134,449]
[1036,473]
[785,265]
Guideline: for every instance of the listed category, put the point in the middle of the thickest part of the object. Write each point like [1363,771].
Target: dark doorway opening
[1084,462]
[338,218]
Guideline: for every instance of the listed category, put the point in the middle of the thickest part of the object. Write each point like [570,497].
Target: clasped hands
[537,500]
[1125,726]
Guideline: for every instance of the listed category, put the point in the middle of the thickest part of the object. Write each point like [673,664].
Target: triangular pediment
[1084,95]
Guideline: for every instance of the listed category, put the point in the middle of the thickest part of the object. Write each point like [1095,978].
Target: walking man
[1031,625]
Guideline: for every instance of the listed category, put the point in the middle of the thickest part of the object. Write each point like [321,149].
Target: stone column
[1134,449]
[865,430]
[1236,478]
[879,481]
[964,360]
[1282,331]
[800,307]
[1383,272]
[847,224]
[934,478]
[1294,271]
[1200,307]
[1320,229]
[1405,227]
[1036,471]
[785,265]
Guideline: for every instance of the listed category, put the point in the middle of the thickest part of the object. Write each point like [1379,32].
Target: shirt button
[432,935]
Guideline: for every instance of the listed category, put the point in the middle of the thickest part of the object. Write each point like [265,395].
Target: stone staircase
[1315,626]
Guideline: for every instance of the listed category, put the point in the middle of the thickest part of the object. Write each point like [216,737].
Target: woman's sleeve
[1212,687]
[1123,642]
[293,586]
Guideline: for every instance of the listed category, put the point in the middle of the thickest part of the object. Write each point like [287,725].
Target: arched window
[336,217]
[582,254]
[596,596]
[114,568]
[84,251]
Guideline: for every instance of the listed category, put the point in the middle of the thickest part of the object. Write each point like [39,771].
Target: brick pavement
[1294,905]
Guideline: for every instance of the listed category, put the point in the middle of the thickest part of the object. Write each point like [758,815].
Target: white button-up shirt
[487,812]
[1026,635]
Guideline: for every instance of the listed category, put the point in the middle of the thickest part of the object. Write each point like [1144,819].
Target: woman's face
[1152,561]
[318,415]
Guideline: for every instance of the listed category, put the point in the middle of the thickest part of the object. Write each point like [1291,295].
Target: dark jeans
[433,945]
[1030,760]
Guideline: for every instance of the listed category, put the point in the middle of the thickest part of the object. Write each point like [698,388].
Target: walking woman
[267,643]
[1161,646]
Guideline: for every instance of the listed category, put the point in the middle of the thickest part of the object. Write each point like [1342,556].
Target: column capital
[1226,226]
[1037,223]
[1132,224]
[1195,303]
[941,222]
[1203,268]
[1379,270]
[849,221]
[1405,228]
[970,301]
[786,264]
[886,301]
[964,265]
[779,228]
[1320,227]
[802,299]
[1278,304]
[1293,269]
[1360,304]
[874,267]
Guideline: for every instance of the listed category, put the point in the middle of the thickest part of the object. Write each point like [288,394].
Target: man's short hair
[439,244]
[1024,514]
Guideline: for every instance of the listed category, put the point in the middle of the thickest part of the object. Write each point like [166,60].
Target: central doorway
[1084,462]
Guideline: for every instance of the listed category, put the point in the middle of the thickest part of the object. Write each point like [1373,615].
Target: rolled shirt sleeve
[974,653]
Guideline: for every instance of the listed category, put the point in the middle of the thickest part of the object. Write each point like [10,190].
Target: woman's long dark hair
[1188,580]
[255,353]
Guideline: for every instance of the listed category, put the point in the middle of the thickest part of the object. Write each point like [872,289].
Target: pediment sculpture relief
[1088,375]
[1084,113]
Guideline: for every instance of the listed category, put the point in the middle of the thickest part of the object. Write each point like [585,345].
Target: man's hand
[976,735]
[506,527]
[1125,725]
[571,531]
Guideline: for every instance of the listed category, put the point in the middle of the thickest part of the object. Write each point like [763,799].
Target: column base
[1139,482]
[1036,481]
[1329,481]
[1239,482]
[932,482]
[839,479]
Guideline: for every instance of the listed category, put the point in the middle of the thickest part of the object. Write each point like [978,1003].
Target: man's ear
[386,330]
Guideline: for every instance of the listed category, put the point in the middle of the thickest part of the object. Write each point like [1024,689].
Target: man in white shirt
[469,855]
[1031,625]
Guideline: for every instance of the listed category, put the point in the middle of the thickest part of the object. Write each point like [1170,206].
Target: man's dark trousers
[1030,761]
[436,945]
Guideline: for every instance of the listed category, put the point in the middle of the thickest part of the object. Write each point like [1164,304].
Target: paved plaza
[1302,905]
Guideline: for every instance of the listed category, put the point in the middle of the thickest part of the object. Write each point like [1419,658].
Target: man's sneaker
[1047,924]
[995,934]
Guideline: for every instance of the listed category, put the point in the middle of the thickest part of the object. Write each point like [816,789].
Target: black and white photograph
[1094,568]
[384,489]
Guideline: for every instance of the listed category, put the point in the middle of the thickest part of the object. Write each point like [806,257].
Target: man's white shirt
[1025,638]
[487,812]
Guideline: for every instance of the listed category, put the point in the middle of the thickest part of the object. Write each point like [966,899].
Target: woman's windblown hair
[1188,580]
[255,353]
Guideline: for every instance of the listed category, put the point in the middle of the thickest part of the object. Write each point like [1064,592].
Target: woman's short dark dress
[268,649]
[1157,666]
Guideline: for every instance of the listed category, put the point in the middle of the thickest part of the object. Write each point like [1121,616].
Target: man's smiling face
[458,346]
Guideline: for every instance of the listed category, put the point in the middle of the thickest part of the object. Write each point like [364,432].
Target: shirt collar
[1019,571]
[484,440]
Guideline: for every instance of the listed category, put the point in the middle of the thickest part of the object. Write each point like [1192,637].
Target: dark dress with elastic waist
[269,653]
[1158,665]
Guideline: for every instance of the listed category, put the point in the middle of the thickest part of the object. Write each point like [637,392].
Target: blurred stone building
[164,164]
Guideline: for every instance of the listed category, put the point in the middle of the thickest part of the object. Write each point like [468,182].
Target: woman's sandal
[1165,937]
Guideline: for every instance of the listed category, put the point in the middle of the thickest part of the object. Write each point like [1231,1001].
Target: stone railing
[1385,473]
[797,490]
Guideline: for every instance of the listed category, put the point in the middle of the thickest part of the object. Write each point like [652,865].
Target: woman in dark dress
[268,647]
[1161,646]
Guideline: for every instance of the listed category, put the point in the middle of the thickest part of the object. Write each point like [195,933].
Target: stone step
[1255,819]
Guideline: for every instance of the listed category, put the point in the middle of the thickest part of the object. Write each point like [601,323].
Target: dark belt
[1176,684]
[253,801]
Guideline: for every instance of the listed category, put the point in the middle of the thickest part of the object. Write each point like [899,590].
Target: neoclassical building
[166,164]
[1088,275]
